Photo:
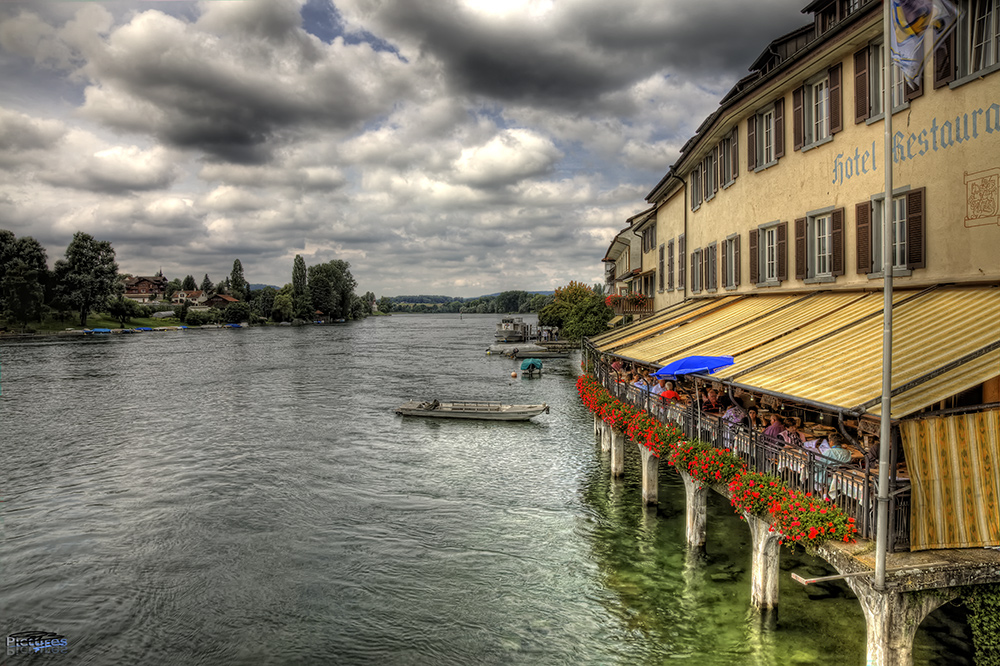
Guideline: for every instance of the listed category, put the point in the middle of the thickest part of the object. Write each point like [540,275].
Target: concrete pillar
[605,437]
[650,475]
[696,496]
[892,618]
[597,425]
[764,563]
[617,452]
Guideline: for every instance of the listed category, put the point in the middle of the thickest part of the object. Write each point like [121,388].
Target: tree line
[86,280]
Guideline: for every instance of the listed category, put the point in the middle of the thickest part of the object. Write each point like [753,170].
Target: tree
[301,299]
[189,283]
[172,288]
[89,274]
[23,274]
[342,285]
[321,290]
[236,313]
[369,302]
[385,304]
[207,286]
[588,318]
[262,300]
[282,309]
[122,309]
[238,286]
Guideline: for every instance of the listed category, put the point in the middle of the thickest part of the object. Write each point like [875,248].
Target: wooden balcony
[624,307]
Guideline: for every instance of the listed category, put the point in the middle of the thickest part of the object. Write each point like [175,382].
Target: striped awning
[826,347]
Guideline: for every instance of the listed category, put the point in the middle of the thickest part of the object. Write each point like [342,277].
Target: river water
[249,497]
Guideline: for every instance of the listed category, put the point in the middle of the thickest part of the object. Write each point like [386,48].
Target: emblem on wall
[982,198]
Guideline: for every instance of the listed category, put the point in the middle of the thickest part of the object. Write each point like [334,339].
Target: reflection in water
[248,497]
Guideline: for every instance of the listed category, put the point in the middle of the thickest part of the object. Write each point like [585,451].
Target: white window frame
[979,37]
[765,138]
[816,112]
[767,271]
[819,246]
[708,169]
[726,162]
[696,189]
[730,263]
[899,254]
[876,92]
[696,273]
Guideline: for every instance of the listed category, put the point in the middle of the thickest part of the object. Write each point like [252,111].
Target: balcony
[631,304]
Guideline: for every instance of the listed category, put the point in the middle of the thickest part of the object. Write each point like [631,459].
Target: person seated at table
[776,427]
[836,451]
[734,413]
[711,404]
[754,420]
[791,435]
[666,391]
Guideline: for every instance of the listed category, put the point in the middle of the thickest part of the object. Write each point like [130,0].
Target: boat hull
[484,411]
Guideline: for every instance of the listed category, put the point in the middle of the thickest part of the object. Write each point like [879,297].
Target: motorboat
[530,367]
[512,329]
[468,409]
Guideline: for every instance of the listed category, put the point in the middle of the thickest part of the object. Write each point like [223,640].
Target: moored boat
[512,329]
[469,409]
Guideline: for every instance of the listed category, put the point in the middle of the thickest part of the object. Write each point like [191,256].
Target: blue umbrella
[694,364]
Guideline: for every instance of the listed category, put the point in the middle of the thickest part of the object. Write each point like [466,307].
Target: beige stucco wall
[960,245]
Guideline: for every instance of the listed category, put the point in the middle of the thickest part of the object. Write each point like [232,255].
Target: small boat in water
[531,366]
[512,329]
[468,409]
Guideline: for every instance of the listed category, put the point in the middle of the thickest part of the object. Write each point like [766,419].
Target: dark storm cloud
[579,51]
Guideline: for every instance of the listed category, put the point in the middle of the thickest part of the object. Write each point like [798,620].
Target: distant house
[219,301]
[188,296]
[144,289]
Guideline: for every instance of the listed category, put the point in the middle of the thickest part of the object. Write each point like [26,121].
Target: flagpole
[885,431]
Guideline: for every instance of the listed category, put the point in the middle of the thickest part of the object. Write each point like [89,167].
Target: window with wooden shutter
[725,264]
[752,143]
[779,127]
[862,106]
[837,241]
[798,119]
[713,267]
[863,236]
[681,262]
[801,265]
[944,61]
[670,265]
[736,261]
[782,251]
[836,103]
[662,266]
[754,257]
[735,156]
[915,229]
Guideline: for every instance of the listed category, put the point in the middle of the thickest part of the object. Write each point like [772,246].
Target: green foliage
[588,318]
[88,275]
[207,286]
[123,310]
[299,276]
[238,287]
[983,602]
[262,301]
[282,307]
[201,317]
[23,275]
[385,304]
[189,283]
[331,288]
[236,313]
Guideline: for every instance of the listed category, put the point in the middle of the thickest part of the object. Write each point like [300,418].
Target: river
[249,497]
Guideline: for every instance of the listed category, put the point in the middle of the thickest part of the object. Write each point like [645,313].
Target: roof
[225,297]
[826,347]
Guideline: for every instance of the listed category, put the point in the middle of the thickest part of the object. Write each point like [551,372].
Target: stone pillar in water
[650,475]
[617,452]
[764,568]
[605,437]
[696,497]
[892,618]
[597,425]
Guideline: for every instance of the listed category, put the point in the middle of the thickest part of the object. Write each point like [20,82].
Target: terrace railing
[852,488]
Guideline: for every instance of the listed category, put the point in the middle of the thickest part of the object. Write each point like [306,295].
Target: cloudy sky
[455,147]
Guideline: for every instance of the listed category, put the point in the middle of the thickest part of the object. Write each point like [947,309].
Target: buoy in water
[513,374]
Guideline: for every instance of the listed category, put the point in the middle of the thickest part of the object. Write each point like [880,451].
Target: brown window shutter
[862,106]
[716,172]
[798,119]
[863,236]
[754,257]
[736,261]
[783,251]
[836,101]
[734,150]
[915,229]
[837,241]
[695,287]
[779,127]
[944,61]
[706,269]
[701,182]
[800,249]
[725,264]
[752,143]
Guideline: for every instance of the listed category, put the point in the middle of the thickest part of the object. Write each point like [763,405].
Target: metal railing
[852,488]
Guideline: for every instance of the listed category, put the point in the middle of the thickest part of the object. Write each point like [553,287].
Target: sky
[455,147]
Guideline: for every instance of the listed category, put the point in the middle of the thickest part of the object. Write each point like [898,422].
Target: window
[670,265]
[816,112]
[768,254]
[731,262]
[681,261]
[708,171]
[696,271]
[696,188]
[907,232]
[869,91]
[972,49]
[727,160]
[710,264]
[649,239]
[661,266]
[766,136]
[819,246]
